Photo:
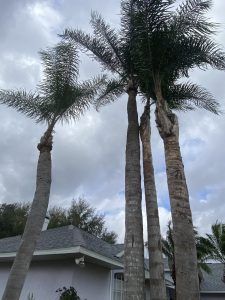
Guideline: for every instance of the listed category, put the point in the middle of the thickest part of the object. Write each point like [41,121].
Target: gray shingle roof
[70,236]
[213,281]
[64,237]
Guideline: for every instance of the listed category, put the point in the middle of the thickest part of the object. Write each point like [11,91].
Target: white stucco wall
[45,277]
[92,283]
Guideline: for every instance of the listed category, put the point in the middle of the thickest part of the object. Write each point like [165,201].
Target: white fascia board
[45,252]
[100,257]
[71,250]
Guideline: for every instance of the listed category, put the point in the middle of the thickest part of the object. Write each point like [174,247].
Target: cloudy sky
[89,155]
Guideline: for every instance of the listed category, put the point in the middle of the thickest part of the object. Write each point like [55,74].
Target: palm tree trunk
[156,266]
[187,286]
[134,275]
[223,272]
[34,222]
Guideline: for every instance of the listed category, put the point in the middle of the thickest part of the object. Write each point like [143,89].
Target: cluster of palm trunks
[156,46]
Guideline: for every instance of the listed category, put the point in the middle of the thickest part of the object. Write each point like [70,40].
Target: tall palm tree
[154,29]
[112,50]
[156,266]
[215,242]
[166,53]
[59,97]
[184,97]
[203,253]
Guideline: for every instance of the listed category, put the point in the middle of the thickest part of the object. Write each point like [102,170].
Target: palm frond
[109,92]
[97,48]
[104,32]
[61,67]
[186,96]
[190,18]
[28,103]
[154,14]
[61,96]
[215,242]
[205,267]
[81,97]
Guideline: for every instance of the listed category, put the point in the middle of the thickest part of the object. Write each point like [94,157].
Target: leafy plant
[68,293]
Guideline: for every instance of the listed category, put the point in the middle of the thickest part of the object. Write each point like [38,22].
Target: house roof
[64,237]
[67,237]
[213,282]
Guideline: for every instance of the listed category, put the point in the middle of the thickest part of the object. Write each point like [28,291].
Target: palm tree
[215,242]
[203,253]
[156,266]
[153,29]
[59,97]
[166,53]
[112,50]
[184,97]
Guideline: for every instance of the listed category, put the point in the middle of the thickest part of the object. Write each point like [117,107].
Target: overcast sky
[89,155]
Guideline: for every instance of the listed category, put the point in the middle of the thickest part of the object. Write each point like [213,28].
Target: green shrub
[68,293]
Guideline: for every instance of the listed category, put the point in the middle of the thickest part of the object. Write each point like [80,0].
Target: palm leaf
[190,18]
[61,96]
[104,32]
[28,103]
[109,92]
[97,48]
[186,96]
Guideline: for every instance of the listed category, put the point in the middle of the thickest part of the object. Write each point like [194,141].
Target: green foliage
[156,43]
[83,216]
[59,96]
[184,96]
[203,253]
[166,49]
[68,293]
[216,242]
[111,49]
[13,218]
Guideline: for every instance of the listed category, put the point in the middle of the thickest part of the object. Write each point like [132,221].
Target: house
[68,256]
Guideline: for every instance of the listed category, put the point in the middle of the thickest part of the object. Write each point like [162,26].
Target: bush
[68,294]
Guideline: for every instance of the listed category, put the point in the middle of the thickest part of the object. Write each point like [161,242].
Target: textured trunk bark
[34,222]
[134,276]
[187,286]
[224,272]
[156,266]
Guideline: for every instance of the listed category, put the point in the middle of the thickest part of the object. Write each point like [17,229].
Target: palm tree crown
[166,51]
[59,96]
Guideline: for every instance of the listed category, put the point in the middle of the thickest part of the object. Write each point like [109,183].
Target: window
[118,286]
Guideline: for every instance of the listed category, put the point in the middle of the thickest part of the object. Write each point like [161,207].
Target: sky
[89,155]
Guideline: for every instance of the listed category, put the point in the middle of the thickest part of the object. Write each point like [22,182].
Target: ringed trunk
[34,222]
[134,275]
[187,286]
[156,266]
